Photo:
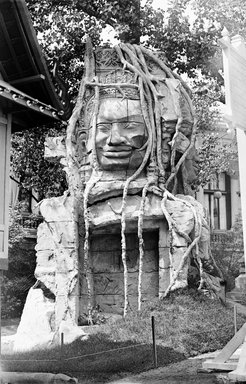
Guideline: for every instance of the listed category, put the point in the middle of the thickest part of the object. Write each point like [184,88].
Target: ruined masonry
[128,227]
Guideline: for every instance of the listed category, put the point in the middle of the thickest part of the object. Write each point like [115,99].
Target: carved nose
[115,137]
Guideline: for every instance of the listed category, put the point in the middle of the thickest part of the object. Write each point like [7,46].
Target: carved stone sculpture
[128,226]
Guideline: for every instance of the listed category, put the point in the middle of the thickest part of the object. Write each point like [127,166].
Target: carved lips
[117,151]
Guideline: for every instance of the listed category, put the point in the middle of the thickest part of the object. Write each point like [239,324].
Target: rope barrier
[101,352]
[109,350]
[76,357]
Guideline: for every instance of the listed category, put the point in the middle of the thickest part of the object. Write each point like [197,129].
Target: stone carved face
[120,134]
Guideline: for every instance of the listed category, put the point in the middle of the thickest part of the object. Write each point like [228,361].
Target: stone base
[37,327]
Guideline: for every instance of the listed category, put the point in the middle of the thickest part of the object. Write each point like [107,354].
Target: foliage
[215,157]
[229,253]
[28,163]
[216,154]
[61,29]
[20,275]
[96,317]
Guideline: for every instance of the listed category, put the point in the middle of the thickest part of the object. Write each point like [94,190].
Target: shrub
[228,253]
[20,276]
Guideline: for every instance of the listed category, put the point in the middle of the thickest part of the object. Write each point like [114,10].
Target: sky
[159,4]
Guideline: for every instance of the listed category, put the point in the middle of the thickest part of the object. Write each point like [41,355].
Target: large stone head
[134,116]
[120,133]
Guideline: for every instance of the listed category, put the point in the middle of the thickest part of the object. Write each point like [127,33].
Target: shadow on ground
[100,359]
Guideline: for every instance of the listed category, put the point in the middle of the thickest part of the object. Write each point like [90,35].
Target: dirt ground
[185,372]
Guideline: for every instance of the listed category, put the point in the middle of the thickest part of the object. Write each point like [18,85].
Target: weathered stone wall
[107,269]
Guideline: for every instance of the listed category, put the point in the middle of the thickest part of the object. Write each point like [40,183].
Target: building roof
[26,87]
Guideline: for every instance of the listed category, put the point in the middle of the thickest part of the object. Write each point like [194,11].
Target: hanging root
[95,164]
[194,243]
[141,243]
[200,272]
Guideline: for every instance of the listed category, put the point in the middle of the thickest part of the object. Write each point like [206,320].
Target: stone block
[45,240]
[111,261]
[164,237]
[109,187]
[177,240]
[164,258]
[61,208]
[181,214]
[114,303]
[66,260]
[113,283]
[164,280]
[47,277]
[177,256]
[105,213]
[64,233]
[182,279]
[52,236]
[106,261]
[66,295]
[151,261]
[66,283]
[45,259]
[103,242]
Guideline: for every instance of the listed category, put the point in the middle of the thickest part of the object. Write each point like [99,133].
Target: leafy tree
[28,163]
[229,254]
[215,155]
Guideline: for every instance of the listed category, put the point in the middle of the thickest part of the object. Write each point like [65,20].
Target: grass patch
[187,323]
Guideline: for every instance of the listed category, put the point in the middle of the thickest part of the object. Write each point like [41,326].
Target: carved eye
[104,127]
[133,125]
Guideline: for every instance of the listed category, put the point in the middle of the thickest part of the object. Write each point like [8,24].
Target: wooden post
[61,364]
[154,342]
[5,133]
[62,345]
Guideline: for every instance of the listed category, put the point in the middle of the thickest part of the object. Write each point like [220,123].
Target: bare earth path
[186,372]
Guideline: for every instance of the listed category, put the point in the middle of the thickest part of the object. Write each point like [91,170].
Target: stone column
[60,230]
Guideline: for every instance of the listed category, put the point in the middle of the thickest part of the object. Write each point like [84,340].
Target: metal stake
[154,343]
